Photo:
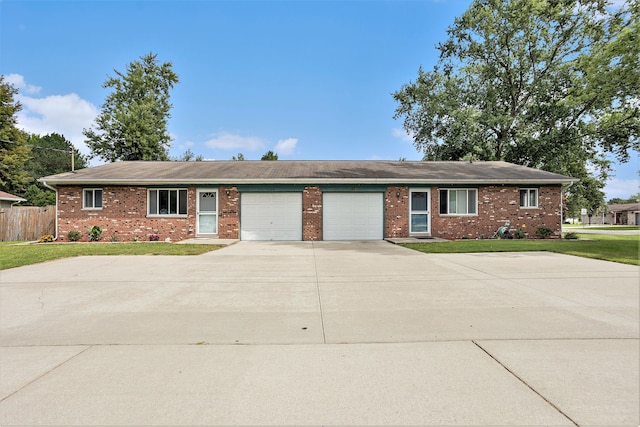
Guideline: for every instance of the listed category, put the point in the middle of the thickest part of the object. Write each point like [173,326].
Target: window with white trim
[167,201]
[92,198]
[528,197]
[459,201]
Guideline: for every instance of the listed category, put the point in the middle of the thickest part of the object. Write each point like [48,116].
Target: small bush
[46,238]
[154,237]
[544,232]
[74,235]
[571,236]
[94,233]
[519,234]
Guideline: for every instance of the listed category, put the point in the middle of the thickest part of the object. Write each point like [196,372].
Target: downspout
[561,205]
[55,237]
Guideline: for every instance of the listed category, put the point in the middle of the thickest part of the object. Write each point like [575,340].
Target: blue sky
[306,79]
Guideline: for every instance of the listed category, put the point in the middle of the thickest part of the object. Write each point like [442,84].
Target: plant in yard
[571,236]
[46,238]
[94,233]
[154,237]
[74,235]
[519,234]
[544,232]
[114,238]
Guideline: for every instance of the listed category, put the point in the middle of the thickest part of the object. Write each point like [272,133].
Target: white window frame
[420,212]
[85,191]
[527,199]
[157,210]
[449,213]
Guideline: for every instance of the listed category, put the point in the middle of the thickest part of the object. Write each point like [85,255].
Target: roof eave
[231,181]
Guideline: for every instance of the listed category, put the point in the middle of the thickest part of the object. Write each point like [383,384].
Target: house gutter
[309,180]
[55,190]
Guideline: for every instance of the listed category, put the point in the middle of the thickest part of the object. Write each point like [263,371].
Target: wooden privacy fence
[27,222]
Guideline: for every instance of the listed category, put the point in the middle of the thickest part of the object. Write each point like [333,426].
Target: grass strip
[12,255]
[623,249]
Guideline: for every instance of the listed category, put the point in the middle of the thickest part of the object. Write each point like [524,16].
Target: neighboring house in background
[624,214]
[307,200]
[8,200]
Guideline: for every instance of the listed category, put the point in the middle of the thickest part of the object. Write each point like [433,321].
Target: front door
[207,212]
[420,211]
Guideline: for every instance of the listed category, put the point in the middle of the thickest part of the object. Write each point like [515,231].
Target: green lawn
[13,255]
[623,249]
[578,227]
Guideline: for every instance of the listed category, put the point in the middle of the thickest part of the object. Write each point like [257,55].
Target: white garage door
[352,216]
[271,216]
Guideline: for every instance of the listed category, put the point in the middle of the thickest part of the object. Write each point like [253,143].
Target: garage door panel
[271,216]
[349,216]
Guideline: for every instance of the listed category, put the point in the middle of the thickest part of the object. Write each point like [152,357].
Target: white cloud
[229,141]
[66,115]
[401,134]
[622,188]
[286,146]
[19,83]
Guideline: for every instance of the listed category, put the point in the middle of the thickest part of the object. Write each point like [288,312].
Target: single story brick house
[306,200]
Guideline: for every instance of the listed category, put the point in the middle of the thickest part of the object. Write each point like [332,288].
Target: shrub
[94,233]
[74,235]
[544,232]
[571,236]
[519,234]
[154,237]
[46,238]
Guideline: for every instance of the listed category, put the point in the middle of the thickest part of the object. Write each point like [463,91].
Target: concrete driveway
[321,333]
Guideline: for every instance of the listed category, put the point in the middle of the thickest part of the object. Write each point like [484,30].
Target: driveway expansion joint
[525,383]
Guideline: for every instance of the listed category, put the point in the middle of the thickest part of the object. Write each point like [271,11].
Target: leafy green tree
[38,196]
[133,121]
[620,201]
[519,80]
[270,155]
[51,154]
[189,156]
[239,157]
[14,154]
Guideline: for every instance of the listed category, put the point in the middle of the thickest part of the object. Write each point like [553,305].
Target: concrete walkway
[321,333]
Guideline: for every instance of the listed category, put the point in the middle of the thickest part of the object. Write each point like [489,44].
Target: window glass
[168,202]
[529,198]
[183,202]
[456,201]
[98,199]
[153,202]
[472,201]
[418,201]
[88,199]
[419,223]
[92,199]
[444,207]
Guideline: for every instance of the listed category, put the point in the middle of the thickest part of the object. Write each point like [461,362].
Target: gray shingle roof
[307,172]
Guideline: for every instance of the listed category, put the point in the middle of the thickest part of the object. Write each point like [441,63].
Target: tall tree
[189,156]
[14,154]
[133,121]
[269,155]
[520,80]
[50,155]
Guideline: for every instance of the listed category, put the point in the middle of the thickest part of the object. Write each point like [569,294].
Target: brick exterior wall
[312,213]
[124,214]
[396,212]
[229,213]
[496,205]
